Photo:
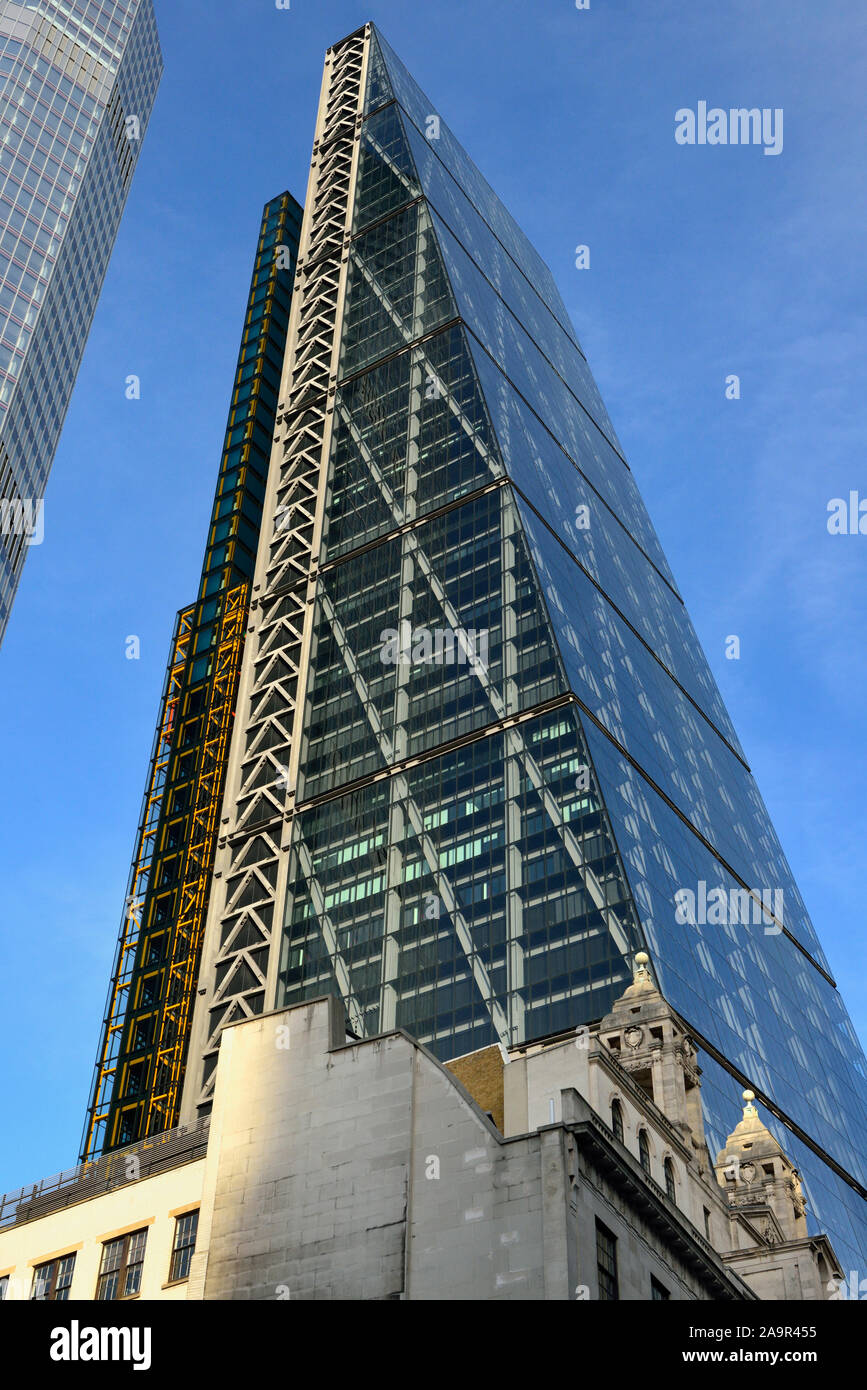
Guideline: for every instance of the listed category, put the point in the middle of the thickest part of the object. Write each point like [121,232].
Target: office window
[606,1263]
[644,1151]
[669,1180]
[658,1292]
[51,1281]
[121,1266]
[617,1119]
[184,1246]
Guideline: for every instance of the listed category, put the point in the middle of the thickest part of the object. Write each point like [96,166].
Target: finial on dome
[641,973]
[749,1108]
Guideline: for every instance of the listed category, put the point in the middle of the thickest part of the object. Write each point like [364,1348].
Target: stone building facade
[334,1168]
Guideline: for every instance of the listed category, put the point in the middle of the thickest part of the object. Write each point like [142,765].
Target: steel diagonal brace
[329,935]
[466,425]
[519,748]
[444,888]
[529,764]
[386,158]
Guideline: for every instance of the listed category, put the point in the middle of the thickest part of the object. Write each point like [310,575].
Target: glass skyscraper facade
[77,85]
[479,757]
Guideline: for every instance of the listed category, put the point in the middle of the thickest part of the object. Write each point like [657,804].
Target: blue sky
[704,262]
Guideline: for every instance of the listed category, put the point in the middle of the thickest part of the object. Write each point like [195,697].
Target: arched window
[644,1151]
[617,1119]
[669,1180]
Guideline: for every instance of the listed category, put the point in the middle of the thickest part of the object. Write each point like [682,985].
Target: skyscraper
[77,86]
[142,1051]
[480,758]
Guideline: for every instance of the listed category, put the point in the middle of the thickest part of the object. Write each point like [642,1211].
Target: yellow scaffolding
[139,880]
[163,1099]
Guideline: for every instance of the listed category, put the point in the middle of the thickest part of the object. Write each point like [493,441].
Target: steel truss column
[240,964]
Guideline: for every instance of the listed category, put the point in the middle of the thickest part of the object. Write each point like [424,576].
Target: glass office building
[77,86]
[480,758]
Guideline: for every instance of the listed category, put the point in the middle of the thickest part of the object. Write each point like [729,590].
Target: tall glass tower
[142,1054]
[480,758]
[77,84]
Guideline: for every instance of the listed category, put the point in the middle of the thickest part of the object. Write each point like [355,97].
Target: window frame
[123,1268]
[644,1151]
[608,1279]
[670,1180]
[188,1248]
[617,1119]
[57,1292]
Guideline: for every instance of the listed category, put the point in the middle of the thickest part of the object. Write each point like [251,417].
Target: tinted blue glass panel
[379,89]
[595,536]
[633,697]
[392,154]
[548,395]
[474,234]
[457,161]
[509,340]
[749,990]
[832,1205]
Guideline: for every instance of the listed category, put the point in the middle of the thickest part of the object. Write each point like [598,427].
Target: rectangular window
[121,1266]
[51,1281]
[658,1292]
[4,1287]
[183,1249]
[606,1263]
